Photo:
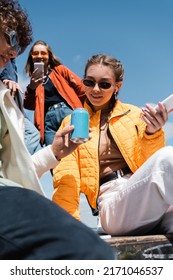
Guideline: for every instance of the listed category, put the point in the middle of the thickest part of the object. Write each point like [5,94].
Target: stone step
[148,247]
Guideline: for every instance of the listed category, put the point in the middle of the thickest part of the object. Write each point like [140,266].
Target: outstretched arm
[62,146]
[47,158]
[12,86]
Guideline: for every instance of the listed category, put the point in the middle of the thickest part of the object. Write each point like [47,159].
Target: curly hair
[53,60]
[14,17]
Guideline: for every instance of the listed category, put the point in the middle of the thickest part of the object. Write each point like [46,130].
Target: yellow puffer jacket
[79,172]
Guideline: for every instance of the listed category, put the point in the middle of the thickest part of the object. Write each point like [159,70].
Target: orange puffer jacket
[68,84]
[79,172]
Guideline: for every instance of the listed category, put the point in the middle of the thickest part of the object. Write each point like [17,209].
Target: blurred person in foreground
[9,77]
[31,226]
[125,171]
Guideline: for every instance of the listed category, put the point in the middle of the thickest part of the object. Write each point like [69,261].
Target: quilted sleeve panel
[66,182]
[89,168]
[129,133]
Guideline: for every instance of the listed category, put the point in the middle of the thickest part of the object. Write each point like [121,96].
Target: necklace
[104,121]
[102,128]
[46,79]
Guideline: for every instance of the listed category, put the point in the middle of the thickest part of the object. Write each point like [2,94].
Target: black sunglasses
[91,83]
[12,40]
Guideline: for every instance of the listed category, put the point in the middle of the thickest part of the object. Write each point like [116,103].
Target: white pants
[135,204]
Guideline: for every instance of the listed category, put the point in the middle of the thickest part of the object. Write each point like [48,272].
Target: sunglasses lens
[88,83]
[104,85]
[12,40]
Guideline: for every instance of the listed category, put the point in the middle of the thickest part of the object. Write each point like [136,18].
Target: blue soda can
[80,120]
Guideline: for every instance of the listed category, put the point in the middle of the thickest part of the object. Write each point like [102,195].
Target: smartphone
[168,103]
[40,68]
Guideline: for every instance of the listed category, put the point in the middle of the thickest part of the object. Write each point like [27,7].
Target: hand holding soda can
[80,120]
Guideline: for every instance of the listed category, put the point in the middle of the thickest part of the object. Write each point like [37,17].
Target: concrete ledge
[149,247]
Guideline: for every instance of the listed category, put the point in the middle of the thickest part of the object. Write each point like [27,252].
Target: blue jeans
[34,228]
[32,136]
[53,119]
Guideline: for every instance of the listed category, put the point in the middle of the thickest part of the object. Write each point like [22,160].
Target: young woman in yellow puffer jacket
[122,169]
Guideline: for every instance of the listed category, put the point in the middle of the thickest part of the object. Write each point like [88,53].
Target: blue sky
[137,32]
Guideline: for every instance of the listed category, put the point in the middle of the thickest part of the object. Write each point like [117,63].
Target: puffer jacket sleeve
[147,145]
[129,134]
[74,81]
[66,181]
[151,144]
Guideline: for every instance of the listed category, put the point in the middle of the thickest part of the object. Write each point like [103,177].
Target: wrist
[57,158]
[149,133]
[55,155]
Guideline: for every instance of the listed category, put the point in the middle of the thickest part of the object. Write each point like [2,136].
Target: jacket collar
[119,110]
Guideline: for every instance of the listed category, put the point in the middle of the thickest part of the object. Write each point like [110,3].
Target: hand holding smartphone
[168,103]
[40,68]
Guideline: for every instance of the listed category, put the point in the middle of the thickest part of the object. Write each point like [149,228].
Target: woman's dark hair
[109,61]
[14,17]
[53,60]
